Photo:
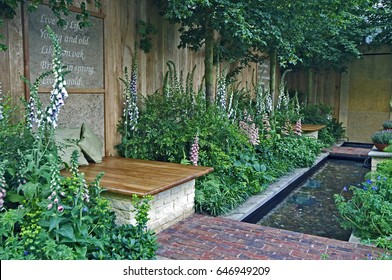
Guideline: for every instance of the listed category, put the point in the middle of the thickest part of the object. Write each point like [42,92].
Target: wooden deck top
[312,127]
[142,177]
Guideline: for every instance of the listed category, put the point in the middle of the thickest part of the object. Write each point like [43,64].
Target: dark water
[311,207]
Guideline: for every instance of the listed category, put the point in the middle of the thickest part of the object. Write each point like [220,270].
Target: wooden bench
[172,186]
[311,130]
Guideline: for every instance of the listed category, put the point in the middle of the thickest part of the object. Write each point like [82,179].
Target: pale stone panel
[166,209]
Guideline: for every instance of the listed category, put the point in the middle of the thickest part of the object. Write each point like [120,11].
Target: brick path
[216,238]
[350,152]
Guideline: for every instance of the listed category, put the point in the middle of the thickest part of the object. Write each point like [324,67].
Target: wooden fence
[121,19]
[323,88]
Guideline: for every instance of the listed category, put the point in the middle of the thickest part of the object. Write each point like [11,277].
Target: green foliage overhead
[308,32]
[380,18]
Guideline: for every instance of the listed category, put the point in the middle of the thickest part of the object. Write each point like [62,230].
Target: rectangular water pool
[310,208]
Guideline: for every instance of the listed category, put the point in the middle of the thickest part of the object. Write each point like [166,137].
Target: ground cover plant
[44,215]
[246,143]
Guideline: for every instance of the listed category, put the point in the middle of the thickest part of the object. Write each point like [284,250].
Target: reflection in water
[311,207]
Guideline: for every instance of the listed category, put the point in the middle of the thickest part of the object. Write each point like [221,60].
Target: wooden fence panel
[120,33]
[326,87]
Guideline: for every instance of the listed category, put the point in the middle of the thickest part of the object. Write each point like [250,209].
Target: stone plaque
[82,49]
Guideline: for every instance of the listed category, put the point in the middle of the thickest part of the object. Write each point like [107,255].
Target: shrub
[387,124]
[299,151]
[382,137]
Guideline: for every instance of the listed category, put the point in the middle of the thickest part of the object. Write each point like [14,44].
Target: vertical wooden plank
[113,64]
[337,90]
[152,62]
[4,61]
[141,15]
[158,49]
[16,61]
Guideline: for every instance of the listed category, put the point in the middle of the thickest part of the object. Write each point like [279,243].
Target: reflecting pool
[311,208]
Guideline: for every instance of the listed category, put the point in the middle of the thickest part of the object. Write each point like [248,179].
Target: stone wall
[377,157]
[167,207]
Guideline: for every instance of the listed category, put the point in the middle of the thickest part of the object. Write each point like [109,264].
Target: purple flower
[374,188]
[369,181]
[249,127]
[369,256]
[298,128]
[345,189]
[194,153]
[365,188]
[60,208]
[25,253]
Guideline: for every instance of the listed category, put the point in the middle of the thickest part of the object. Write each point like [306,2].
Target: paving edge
[258,200]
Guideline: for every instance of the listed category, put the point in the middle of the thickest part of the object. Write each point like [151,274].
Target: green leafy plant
[146,30]
[299,151]
[387,124]
[382,137]
[134,242]
[369,210]
[166,129]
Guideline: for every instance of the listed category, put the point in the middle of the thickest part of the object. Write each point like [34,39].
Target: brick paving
[201,237]
[352,152]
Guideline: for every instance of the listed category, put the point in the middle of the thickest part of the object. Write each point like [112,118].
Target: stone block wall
[167,207]
[377,157]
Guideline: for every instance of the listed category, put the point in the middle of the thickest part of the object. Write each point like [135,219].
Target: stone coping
[258,200]
[376,153]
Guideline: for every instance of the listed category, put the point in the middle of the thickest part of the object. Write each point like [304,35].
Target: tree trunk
[273,77]
[209,63]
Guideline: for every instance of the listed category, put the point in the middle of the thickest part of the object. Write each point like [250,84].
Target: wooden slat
[142,177]
[312,127]
[16,59]
[76,90]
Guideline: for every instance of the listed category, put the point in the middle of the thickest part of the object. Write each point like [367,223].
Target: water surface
[311,207]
